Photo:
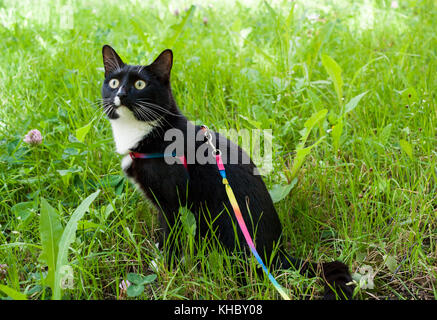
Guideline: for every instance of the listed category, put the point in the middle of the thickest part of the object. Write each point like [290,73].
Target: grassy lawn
[364,195]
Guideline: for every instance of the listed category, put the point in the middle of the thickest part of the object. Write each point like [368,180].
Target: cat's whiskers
[109,110]
[161,118]
[158,107]
[142,114]
[108,107]
[161,109]
[148,114]
[153,113]
[97,105]
[160,123]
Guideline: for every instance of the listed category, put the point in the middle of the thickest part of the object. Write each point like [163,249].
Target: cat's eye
[113,83]
[140,84]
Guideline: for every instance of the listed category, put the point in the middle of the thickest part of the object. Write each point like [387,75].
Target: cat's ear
[162,65]
[111,60]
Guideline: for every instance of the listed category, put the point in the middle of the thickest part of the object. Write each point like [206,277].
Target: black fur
[203,192]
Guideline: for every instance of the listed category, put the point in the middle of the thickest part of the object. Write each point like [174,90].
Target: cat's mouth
[115,108]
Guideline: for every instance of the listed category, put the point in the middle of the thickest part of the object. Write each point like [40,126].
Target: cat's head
[144,90]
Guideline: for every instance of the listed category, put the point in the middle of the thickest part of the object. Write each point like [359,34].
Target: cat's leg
[336,275]
[169,235]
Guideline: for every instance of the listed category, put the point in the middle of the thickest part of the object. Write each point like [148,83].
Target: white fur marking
[126,162]
[117,101]
[128,131]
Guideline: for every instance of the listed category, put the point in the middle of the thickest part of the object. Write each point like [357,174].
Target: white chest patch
[128,131]
[126,162]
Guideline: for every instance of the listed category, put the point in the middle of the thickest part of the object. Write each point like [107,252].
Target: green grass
[366,197]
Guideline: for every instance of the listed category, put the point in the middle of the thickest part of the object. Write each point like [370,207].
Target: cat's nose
[120,96]
[122,92]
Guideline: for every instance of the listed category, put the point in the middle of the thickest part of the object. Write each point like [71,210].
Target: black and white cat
[140,106]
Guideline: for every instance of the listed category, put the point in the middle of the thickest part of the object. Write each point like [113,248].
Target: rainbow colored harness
[218,157]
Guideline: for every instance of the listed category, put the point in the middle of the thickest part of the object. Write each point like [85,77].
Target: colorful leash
[218,157]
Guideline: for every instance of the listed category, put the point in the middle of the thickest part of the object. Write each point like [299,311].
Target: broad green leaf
[333,117]
[188,221]
[149,279]
[108,210]
[300,157]
[67,238]
[352,104]
[135,290]
[391,263]
[70,170]
[119,189]
[89,225]
[70,152]
[67,173]
[111,180]
[14,294]
[135,278]
[50,229]
[302,152]
[114,181]
[334,71]
[139,279]
[298,160]
[406,147]
[279,191]
[385,134]
[409,96]
[82,132]
[315,118]
[24,211]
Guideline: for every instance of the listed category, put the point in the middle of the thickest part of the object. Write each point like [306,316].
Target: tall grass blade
[50,229]
[14,294]
[334,71]
[67,238]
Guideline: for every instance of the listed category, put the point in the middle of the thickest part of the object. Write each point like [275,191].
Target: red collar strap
[138,155]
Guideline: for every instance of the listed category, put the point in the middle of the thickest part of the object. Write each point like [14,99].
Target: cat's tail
[336,275]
